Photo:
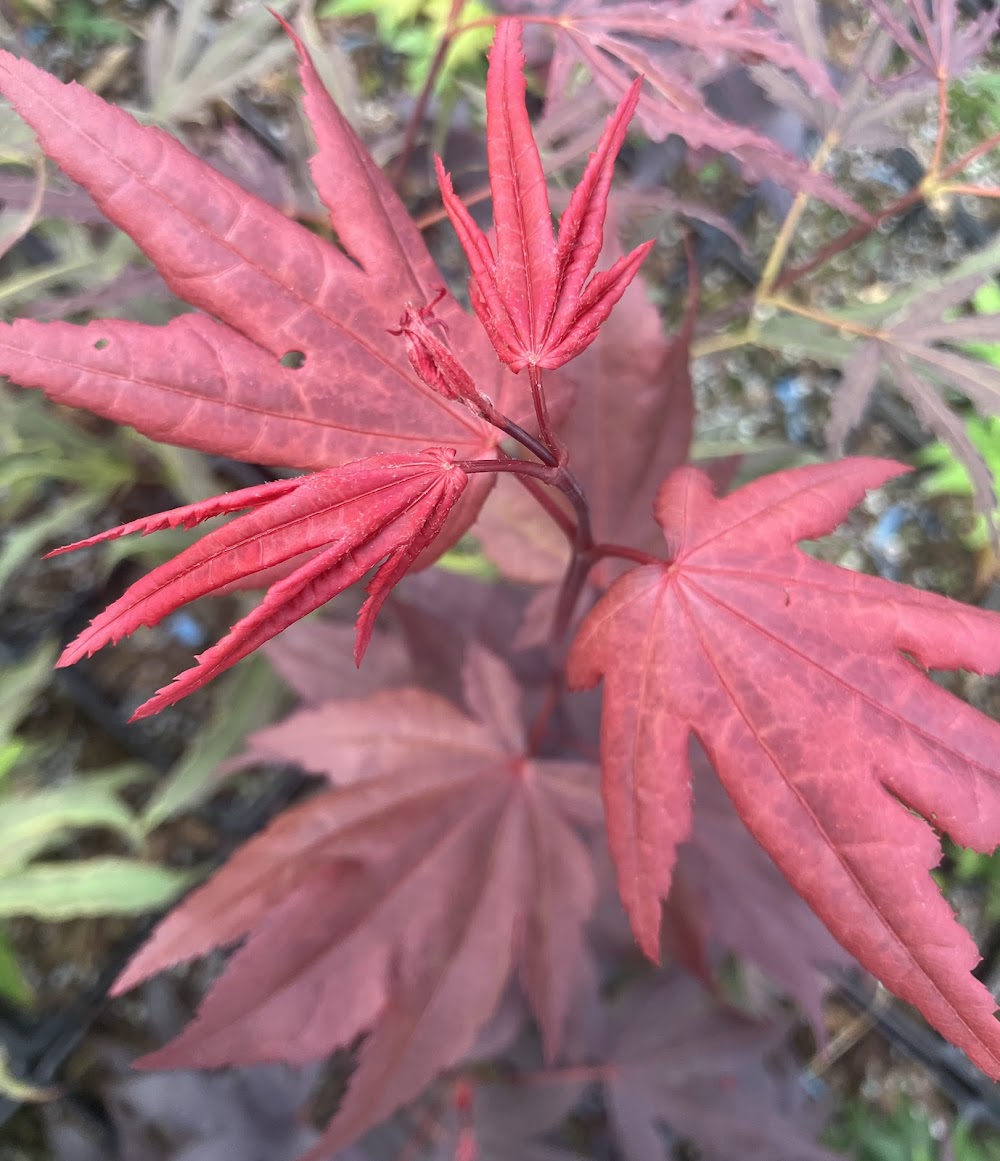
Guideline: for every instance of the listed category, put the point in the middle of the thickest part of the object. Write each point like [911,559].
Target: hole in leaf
[101,344]
[292,359]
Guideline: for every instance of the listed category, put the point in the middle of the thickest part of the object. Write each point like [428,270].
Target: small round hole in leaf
[101,344]
[293,359]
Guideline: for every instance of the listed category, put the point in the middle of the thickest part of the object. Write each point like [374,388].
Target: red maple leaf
[727,894]
[219,384]
[677,1059]
[804,684]
[346,520]
[271,287]
[533,297]
[399,901]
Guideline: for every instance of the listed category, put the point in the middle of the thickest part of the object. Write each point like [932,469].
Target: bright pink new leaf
[387,508]
[533,297]
[806,685]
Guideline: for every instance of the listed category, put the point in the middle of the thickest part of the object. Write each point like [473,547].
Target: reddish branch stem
[549,437]
[556,476]
[850,237]
[556,514]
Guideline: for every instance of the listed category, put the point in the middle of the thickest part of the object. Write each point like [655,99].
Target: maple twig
[964,162]
[942,132]
[850,237]
[583,561]
[838,324]
[423,100]
[525,439]
[716,344]
[549,437]
[556,476]
[779,250]
[569,595]
[979,191]
[625,553]
[772,267]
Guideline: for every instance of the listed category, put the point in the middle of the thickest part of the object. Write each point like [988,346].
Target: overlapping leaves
[400,901]
[917,340]
[271,287]
[677,48]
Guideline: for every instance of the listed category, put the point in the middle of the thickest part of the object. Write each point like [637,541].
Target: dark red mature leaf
[346,520]
[728,895]
[677,1060]
[805,684]
[315,658]
[538,298]
[400,901]
[271,287]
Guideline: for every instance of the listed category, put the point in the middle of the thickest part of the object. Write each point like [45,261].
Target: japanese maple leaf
[942,46]
[678,1060]
[387,508]
[533,296]
[400,901]
[677,48]
[630,428]
[268,287]
[727,894]
[221,383]
[806,685]
[915,341]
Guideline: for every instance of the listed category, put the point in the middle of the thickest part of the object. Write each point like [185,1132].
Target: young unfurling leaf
[533,297]
[344,521]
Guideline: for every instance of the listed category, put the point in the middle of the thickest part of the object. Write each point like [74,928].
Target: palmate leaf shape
[400,901]
[914,341]
[678,1059]
[387,508]
[677,47]
[271,287]
[804,684]
[941,45]
[727,894]
[533,297]
[628,430]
